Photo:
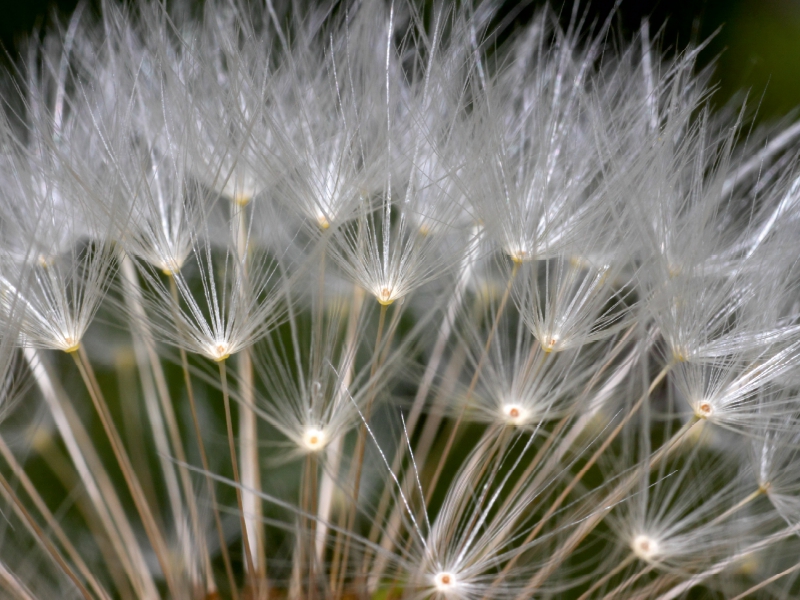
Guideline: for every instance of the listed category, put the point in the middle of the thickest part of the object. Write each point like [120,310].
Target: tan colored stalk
[334,452]
[51,521]
[164,422]
[617,495]
[310,502]
[475,376]
[576,479]
[40,536]
[392,530]
[94,478]
[132,427]
[65,474]
[341,561]
[11,584]
[747,593]
[617,591]
[212,494]
[223,378]
[248,423]
[150,525]
[604,579]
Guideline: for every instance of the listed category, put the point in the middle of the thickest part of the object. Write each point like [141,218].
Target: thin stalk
[163,422]
[12,584]
[101,407]
[652,589]
[426,440]
[334,452]
[359,463]
[42,538]
[310,505]
[617,591]
[132,428]
[64,472]
[578,476]
[445,330]
[607,503]
[248,423]
[198,432]
[738,506]
[251,475]
[498,446]
[94,478]
[51,521]
[223,378]
[747,593]
[600,582]
[454,431]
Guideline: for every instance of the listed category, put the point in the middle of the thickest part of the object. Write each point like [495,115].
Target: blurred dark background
[756,43]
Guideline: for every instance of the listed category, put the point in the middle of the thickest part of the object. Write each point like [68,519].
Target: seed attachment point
[703,409]
[519,256]
[444,582]
[219,352]
[242,199]
[515,414]
[314,439]
[171,266]
[645,547]
[550,343]
[70,345]
[385,296]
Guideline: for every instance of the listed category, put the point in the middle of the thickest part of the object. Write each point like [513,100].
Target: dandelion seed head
[621,247]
